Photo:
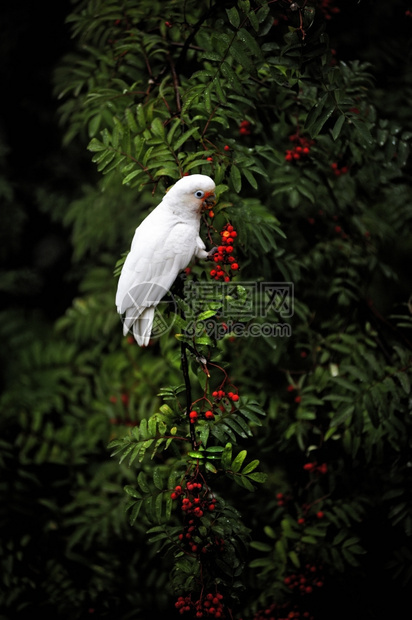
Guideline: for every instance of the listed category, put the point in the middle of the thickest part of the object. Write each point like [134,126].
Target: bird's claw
[211,254]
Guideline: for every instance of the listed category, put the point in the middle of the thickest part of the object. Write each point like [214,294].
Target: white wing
[162,246]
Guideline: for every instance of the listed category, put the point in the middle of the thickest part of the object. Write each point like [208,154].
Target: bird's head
[193,194]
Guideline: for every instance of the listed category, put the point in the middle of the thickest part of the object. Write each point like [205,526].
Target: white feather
[163,245]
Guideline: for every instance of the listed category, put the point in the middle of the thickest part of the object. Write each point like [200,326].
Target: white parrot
[163,245]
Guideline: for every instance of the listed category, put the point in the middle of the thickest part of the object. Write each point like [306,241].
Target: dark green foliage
[112,502]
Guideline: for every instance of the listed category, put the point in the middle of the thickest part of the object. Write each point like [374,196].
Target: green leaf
[130,176]
[250,467]
[142,482]
[233,16]
[236,179]
[184,137]
[157,128]
[196,455]
[258,476]
[238,461]
[135,512]
[338,127]
[157,479]
[294,558]
[95,145]
[363,132]
[404,381]
[260,546]
[226,457]
[249,41]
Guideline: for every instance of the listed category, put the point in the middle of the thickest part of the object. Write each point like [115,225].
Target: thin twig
[185,370]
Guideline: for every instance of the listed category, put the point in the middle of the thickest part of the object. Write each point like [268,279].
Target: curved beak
[209,200]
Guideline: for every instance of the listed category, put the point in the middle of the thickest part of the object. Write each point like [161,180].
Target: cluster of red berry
[192,541]
[194,415]
[245,128]
[219,394]
[327,8]
[210,605]
[193,501]
[314,467]
[303,583]
[301,147]
[292,388]
[209,414]
[338,171]
[282,499]
[223,255]
[282,611]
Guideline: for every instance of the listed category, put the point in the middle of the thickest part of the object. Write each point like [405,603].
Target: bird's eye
[199,193]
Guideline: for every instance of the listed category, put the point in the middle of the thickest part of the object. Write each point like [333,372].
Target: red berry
[298,399]
[226,148]
[193,416]
[209,415]
[320,514]
[234,266]
[309,466]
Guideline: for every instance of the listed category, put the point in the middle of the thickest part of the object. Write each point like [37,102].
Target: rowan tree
[253,461]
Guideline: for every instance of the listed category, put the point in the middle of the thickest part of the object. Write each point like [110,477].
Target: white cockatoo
[163,245]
